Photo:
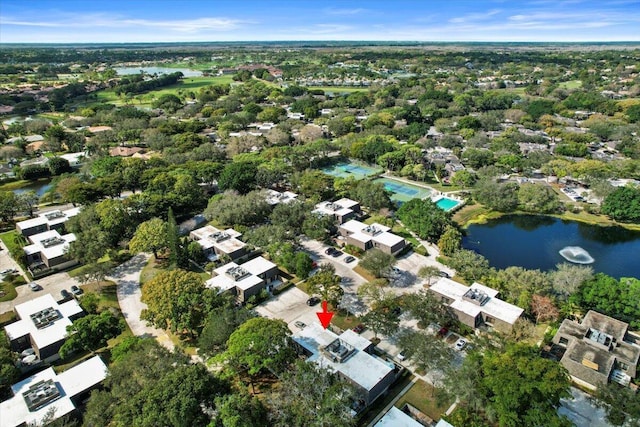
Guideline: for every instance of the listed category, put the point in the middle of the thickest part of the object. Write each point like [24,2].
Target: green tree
[233,209]
[58,166]
[370,194]
[239,176]
[537,198]
[424,218]
[312,396]
[259,344]
[239,410]
[326,283]
[567,278]
[28,201]
[609,296]
[450,241]
[314,184]
[427,310]
[151,236]
[219,325]
[377,262]
[502,197]
[91,332]
[178,300]
[621,404]
[469,264]
[9,373]
[424,351]
[304,264]
[623,204]
[8,205]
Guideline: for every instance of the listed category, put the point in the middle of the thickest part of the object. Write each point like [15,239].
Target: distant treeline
[142,86]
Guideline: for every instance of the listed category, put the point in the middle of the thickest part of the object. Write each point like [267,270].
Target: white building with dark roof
[37,396]
[217,243]
[42,324]
[350,356]
[244,280]
[371,236]
[477,305]
[53,220]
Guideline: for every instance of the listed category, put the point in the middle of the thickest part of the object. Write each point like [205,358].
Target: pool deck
[435,194]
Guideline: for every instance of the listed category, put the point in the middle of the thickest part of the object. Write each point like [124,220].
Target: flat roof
[55,332]
[274,197]
[494,307]
[347,203]
[229,245]
[353,226]
[70,383]
[388,239]
[258,265]
[223,282]
[396,418]
[50,252]
[42,218]
[326,209]
[362,368]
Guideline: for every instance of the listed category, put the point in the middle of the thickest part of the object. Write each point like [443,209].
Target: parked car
[76,290]
[336,253]
[313,301]
[34,286]
[358,329]
[443,332]
[330,250]
[444,274]
[401,356]
[65,294]
[299,324]
[349,259]
[8,271]
[460,344]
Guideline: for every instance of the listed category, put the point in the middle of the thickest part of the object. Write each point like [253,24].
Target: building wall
[243,296]
[358,244]
[380,388]
[32,230]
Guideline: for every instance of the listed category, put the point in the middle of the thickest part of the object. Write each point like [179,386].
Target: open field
[571,84]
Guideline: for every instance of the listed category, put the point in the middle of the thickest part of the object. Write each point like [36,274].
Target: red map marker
[324,315]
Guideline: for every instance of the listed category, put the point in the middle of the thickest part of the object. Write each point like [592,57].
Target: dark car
[76,290]
[65,294]
[330,251]
[313,301]
[336,253]
[349,259]
[443,332]
[358,329]
[444,274]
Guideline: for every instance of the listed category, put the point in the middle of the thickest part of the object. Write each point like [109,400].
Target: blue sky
[62,21]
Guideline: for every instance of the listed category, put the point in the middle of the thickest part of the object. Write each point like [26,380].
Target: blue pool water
[446,204]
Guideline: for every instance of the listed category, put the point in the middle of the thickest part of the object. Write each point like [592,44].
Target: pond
[157,70]
[536,242]
[40,187]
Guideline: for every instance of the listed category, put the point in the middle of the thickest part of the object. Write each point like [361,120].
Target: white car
[460,344]
[34,286]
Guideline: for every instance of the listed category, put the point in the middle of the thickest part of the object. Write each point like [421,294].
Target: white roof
[396,418]
[224,282]
[50,334]
[362,368]
[73,157]
[70,383]
[356,340]
[326,208]
[388,239]
[494,307]
[42,219]
[444,423]
[258,265]
[274,197]
[353,226]
[50,252]
[229,245]
[347,203]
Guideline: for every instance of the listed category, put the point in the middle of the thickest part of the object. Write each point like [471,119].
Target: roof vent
[40,394]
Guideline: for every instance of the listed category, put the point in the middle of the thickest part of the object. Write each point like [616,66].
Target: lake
[157,70]
[534,242]
[39,187]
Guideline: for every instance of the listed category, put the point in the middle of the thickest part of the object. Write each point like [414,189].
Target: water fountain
[576,254]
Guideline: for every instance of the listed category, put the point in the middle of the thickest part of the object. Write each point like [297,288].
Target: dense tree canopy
[425,218]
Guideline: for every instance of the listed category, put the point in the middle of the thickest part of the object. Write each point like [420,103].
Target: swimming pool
[403,192]
[347,169]
[446,204]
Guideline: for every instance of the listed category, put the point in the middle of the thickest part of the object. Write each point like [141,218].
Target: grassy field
[192,84]
[571,84]
[422,396]
[339,89]
[7,291]
[9,239]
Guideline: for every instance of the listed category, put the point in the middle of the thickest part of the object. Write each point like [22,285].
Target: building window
[564,341]
[446,300]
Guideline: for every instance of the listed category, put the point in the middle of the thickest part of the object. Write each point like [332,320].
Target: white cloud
[474,17]
[355,11]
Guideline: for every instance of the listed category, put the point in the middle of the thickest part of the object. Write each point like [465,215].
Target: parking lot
[290,306]
[50,285]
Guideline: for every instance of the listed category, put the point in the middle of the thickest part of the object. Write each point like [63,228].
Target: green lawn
[7,291]
[339,89]
[571,84]
[423,396]
[10,239]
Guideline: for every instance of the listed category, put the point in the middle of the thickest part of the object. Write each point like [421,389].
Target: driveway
[127,277]
[581,411]
[50,285]
[290,306]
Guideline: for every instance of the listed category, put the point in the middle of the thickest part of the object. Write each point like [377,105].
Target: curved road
[127,277]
